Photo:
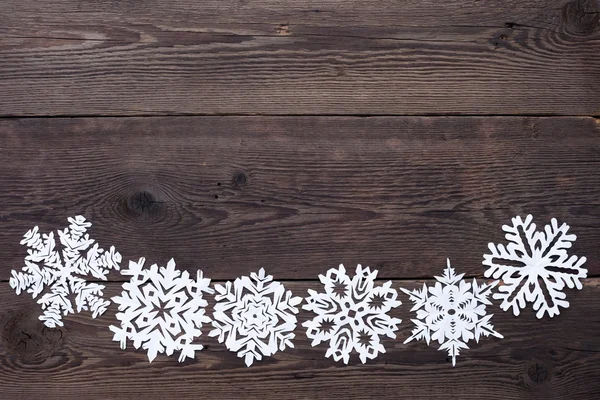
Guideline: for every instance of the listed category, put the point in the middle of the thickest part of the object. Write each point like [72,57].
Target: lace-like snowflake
[64,272]
[162,310]
[352,314]
[451,312]
[534,267]
[255,316]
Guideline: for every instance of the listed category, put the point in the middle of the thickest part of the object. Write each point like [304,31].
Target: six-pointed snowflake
[162,310]
[255,316]
[534,267]
[64,272]
[351,314]
[451,312]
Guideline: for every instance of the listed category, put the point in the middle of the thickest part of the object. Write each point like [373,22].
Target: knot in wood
[144,203]
[581,17]
[239,179]
[28,338]
[538,372]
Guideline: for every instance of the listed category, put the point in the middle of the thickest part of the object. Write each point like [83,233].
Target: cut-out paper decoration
[534,267]
[352,314]
[254,316]
[65,272]
[161,310]
[451,312]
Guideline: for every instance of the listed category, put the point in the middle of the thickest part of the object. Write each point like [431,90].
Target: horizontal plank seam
[162,115]
[291,280]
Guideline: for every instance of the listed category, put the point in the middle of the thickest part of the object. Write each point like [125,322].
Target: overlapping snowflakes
[352,314]
[255,316]
[65,271]
[534,267]
[161,310]
[451,312]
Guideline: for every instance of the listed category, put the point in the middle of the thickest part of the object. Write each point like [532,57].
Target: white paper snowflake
[255,316]
[451,312]
[162,310]
[534,267]
[352,314]
[65,272]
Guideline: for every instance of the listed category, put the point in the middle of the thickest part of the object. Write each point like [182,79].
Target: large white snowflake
[65,272]
[451,312]
[534,267]
[161,310]
[255,316]
[352,314]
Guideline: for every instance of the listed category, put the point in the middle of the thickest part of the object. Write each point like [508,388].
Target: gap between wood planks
[380,280]
[324,115]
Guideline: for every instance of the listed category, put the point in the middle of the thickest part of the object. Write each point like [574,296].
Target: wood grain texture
[303,154]
[70,57]
[299,195]
[555,358]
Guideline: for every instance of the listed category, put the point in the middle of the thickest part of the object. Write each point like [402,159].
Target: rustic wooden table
[295,135]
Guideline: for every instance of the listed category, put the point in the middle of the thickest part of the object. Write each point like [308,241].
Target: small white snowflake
[65,272]
[351,314]
[451,312]
[162,310]
[534,267]
[255,317]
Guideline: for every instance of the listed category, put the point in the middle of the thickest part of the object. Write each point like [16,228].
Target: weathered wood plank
[299,195]
[68,57]
[552,359]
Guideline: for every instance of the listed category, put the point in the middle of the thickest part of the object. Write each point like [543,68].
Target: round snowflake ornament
[255,316]
[451,312]
[352,314]
[534,267]
[62,271]
[161,310]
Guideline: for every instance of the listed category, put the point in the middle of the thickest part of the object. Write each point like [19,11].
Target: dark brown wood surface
[232,135]
[549,359]
[107,57]
[397,193]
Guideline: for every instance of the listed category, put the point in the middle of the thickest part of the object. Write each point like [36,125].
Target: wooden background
[295,135]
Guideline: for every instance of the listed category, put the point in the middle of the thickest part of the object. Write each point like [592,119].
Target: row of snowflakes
[162,309]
